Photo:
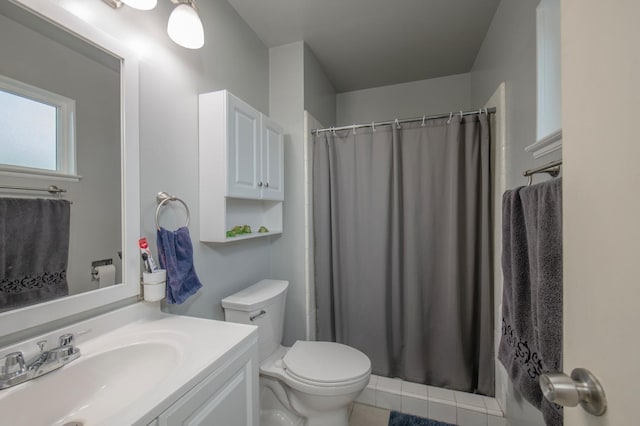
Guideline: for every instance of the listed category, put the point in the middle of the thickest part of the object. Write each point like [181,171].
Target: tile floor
[366,415]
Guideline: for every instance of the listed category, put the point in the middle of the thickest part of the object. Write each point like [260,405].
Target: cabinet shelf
[251,236]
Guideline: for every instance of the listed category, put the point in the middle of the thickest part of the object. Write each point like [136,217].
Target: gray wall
[319,93]
[34,59]
[297,82]
[417,98]
[233,58]
[508,54]
[171,77]
[286,84]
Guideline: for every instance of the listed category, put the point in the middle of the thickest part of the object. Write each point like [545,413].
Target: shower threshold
[440,404]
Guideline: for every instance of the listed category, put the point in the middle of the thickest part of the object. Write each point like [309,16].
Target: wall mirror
[46,49]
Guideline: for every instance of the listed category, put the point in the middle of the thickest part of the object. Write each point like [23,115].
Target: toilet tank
[261,304]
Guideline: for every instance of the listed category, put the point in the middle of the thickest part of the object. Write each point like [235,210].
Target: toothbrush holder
[154,285]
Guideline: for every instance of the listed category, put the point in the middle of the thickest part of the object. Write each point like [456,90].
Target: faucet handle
[67,340]
[12,364]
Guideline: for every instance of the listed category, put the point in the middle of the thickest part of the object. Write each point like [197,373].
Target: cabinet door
[272,160]
[243,129]
[229,398]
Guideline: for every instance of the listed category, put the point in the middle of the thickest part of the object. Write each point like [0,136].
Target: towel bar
[51,189]
[162,198]
[552,169]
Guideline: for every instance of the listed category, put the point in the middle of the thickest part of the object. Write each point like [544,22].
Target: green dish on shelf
[242,230]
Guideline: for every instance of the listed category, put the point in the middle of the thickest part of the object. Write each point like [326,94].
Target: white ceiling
[371,43]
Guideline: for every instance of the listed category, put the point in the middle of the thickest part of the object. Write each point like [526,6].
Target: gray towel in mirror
[34,248]
[531,342]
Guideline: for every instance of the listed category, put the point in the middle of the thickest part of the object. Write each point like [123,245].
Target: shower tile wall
[444,405]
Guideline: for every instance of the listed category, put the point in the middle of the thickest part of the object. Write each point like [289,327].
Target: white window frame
[65,131]
[549,102]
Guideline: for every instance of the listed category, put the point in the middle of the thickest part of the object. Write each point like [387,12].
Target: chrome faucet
[14,370]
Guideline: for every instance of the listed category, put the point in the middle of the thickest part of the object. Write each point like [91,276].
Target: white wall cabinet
[241,172]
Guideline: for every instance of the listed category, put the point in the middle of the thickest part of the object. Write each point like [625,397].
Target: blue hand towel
[175,254]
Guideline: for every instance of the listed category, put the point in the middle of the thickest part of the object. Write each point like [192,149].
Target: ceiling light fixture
[141,4]
[184,27]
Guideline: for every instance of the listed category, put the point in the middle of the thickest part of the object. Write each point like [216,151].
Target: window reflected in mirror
[38,128]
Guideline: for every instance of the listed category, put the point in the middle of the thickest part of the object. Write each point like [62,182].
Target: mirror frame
[36,315]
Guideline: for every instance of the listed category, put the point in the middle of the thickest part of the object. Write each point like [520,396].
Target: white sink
[87,389]
[122,375]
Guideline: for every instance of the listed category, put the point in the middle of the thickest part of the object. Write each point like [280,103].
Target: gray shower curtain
[402,226]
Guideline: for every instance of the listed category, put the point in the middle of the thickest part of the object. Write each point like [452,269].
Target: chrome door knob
[259,183]
[266,184]
[581,388]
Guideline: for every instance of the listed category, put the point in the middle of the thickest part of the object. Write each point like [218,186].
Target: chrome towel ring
[162,198]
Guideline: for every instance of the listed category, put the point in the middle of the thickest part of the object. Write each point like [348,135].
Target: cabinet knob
[259,183]
[266,184]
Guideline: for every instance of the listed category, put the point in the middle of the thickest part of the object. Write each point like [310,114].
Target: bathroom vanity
[139,366]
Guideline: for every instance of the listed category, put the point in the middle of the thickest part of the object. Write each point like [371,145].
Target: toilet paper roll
[106,275]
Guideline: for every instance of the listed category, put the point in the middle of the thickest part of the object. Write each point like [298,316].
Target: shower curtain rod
[406,120]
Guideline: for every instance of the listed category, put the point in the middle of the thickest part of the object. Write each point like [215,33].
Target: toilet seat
[326,363]
[313,352]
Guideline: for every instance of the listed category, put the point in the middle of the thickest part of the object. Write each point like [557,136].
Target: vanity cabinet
[241,161]
[227,397]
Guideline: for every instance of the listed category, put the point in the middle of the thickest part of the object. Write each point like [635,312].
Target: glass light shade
[185,27]
[141,4]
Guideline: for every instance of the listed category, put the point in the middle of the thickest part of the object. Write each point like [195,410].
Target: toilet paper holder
[96,263]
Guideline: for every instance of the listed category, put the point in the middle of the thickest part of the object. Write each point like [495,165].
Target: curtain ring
[397,124]
[354,129]
[450,117]
[461,115]
[373,126]
[486,111]
[424,117]
[333,131]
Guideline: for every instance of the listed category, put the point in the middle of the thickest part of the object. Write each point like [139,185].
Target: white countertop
[135,363]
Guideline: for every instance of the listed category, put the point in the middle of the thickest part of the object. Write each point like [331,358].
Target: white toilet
[311,383]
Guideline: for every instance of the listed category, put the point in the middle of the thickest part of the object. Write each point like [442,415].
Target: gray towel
[34,247]
[531,342]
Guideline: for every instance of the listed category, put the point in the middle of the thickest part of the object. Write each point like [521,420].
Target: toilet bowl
[313,383]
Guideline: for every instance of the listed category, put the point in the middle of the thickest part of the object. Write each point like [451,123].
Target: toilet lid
[326,362]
